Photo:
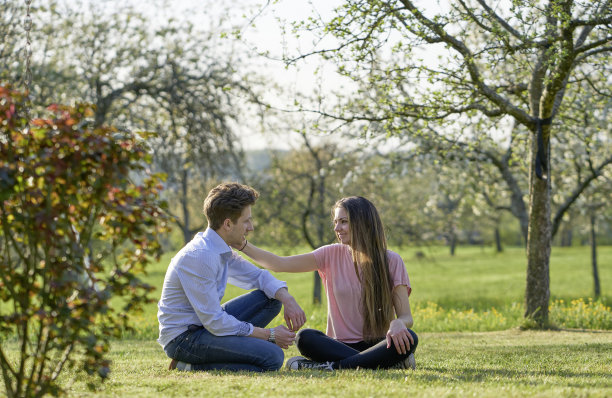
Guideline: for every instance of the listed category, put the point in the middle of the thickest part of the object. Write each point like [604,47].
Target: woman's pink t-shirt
[335,266]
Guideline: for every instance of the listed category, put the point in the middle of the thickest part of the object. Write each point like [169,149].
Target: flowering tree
[74,232]
[501,62]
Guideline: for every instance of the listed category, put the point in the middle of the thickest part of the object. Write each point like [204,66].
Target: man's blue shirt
[195,284]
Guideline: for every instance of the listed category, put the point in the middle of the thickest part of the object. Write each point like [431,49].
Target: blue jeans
[319,347]
[205,351]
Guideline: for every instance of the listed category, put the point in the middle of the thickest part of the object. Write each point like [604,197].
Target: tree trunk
[594,259]
[321,225]
[452,239]
[524,225]
[498,244]
[567,236]
[316,293]
[453,245]
[185,207]
[537,292]
[517,206]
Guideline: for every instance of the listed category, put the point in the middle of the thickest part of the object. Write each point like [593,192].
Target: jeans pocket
[186,352]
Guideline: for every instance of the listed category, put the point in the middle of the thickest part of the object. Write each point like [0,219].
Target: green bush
[75,231]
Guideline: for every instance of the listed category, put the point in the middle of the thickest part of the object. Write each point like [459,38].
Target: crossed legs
[318,347]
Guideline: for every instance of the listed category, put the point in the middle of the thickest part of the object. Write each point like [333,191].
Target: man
[199,333]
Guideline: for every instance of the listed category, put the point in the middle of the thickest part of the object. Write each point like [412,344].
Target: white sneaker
[296,363]
[179,365]
[408,363]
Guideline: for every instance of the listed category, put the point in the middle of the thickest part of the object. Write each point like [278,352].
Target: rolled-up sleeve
[200,286]
[245,275]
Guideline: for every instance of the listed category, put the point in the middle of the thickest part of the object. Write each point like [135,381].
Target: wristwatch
[272,339]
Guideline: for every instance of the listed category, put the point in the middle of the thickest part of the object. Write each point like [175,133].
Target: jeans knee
[276,305]
[272,303]
[276,359]
[258,295]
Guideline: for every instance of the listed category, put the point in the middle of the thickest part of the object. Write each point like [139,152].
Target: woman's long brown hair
[369,250]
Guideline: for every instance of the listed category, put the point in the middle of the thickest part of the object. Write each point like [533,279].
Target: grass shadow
[467,374]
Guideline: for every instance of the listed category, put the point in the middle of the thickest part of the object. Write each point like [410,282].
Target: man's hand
[399,336]
[283,336]
[293,313]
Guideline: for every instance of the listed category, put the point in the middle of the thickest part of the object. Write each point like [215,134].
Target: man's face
[239,230]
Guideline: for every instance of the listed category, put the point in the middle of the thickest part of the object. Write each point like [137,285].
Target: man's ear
[227,224]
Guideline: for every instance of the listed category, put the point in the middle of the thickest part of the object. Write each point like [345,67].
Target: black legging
[315,345]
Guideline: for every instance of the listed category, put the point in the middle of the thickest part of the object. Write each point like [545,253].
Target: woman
[366,286]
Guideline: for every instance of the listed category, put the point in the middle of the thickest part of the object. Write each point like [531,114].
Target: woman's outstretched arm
[298,263]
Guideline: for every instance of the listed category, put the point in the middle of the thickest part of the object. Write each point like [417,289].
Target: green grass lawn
[508,363]
[467,309]
[480,278]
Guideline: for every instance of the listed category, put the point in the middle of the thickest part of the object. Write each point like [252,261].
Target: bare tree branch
[503,103]
[575,194]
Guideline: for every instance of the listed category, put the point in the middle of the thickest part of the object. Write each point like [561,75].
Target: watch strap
[272,338]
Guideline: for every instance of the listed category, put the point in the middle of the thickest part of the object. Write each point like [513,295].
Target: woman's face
[341,226]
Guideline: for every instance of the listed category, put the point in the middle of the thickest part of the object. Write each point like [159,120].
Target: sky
[260,22]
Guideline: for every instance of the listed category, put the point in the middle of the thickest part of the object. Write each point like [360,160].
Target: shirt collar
[216,243]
